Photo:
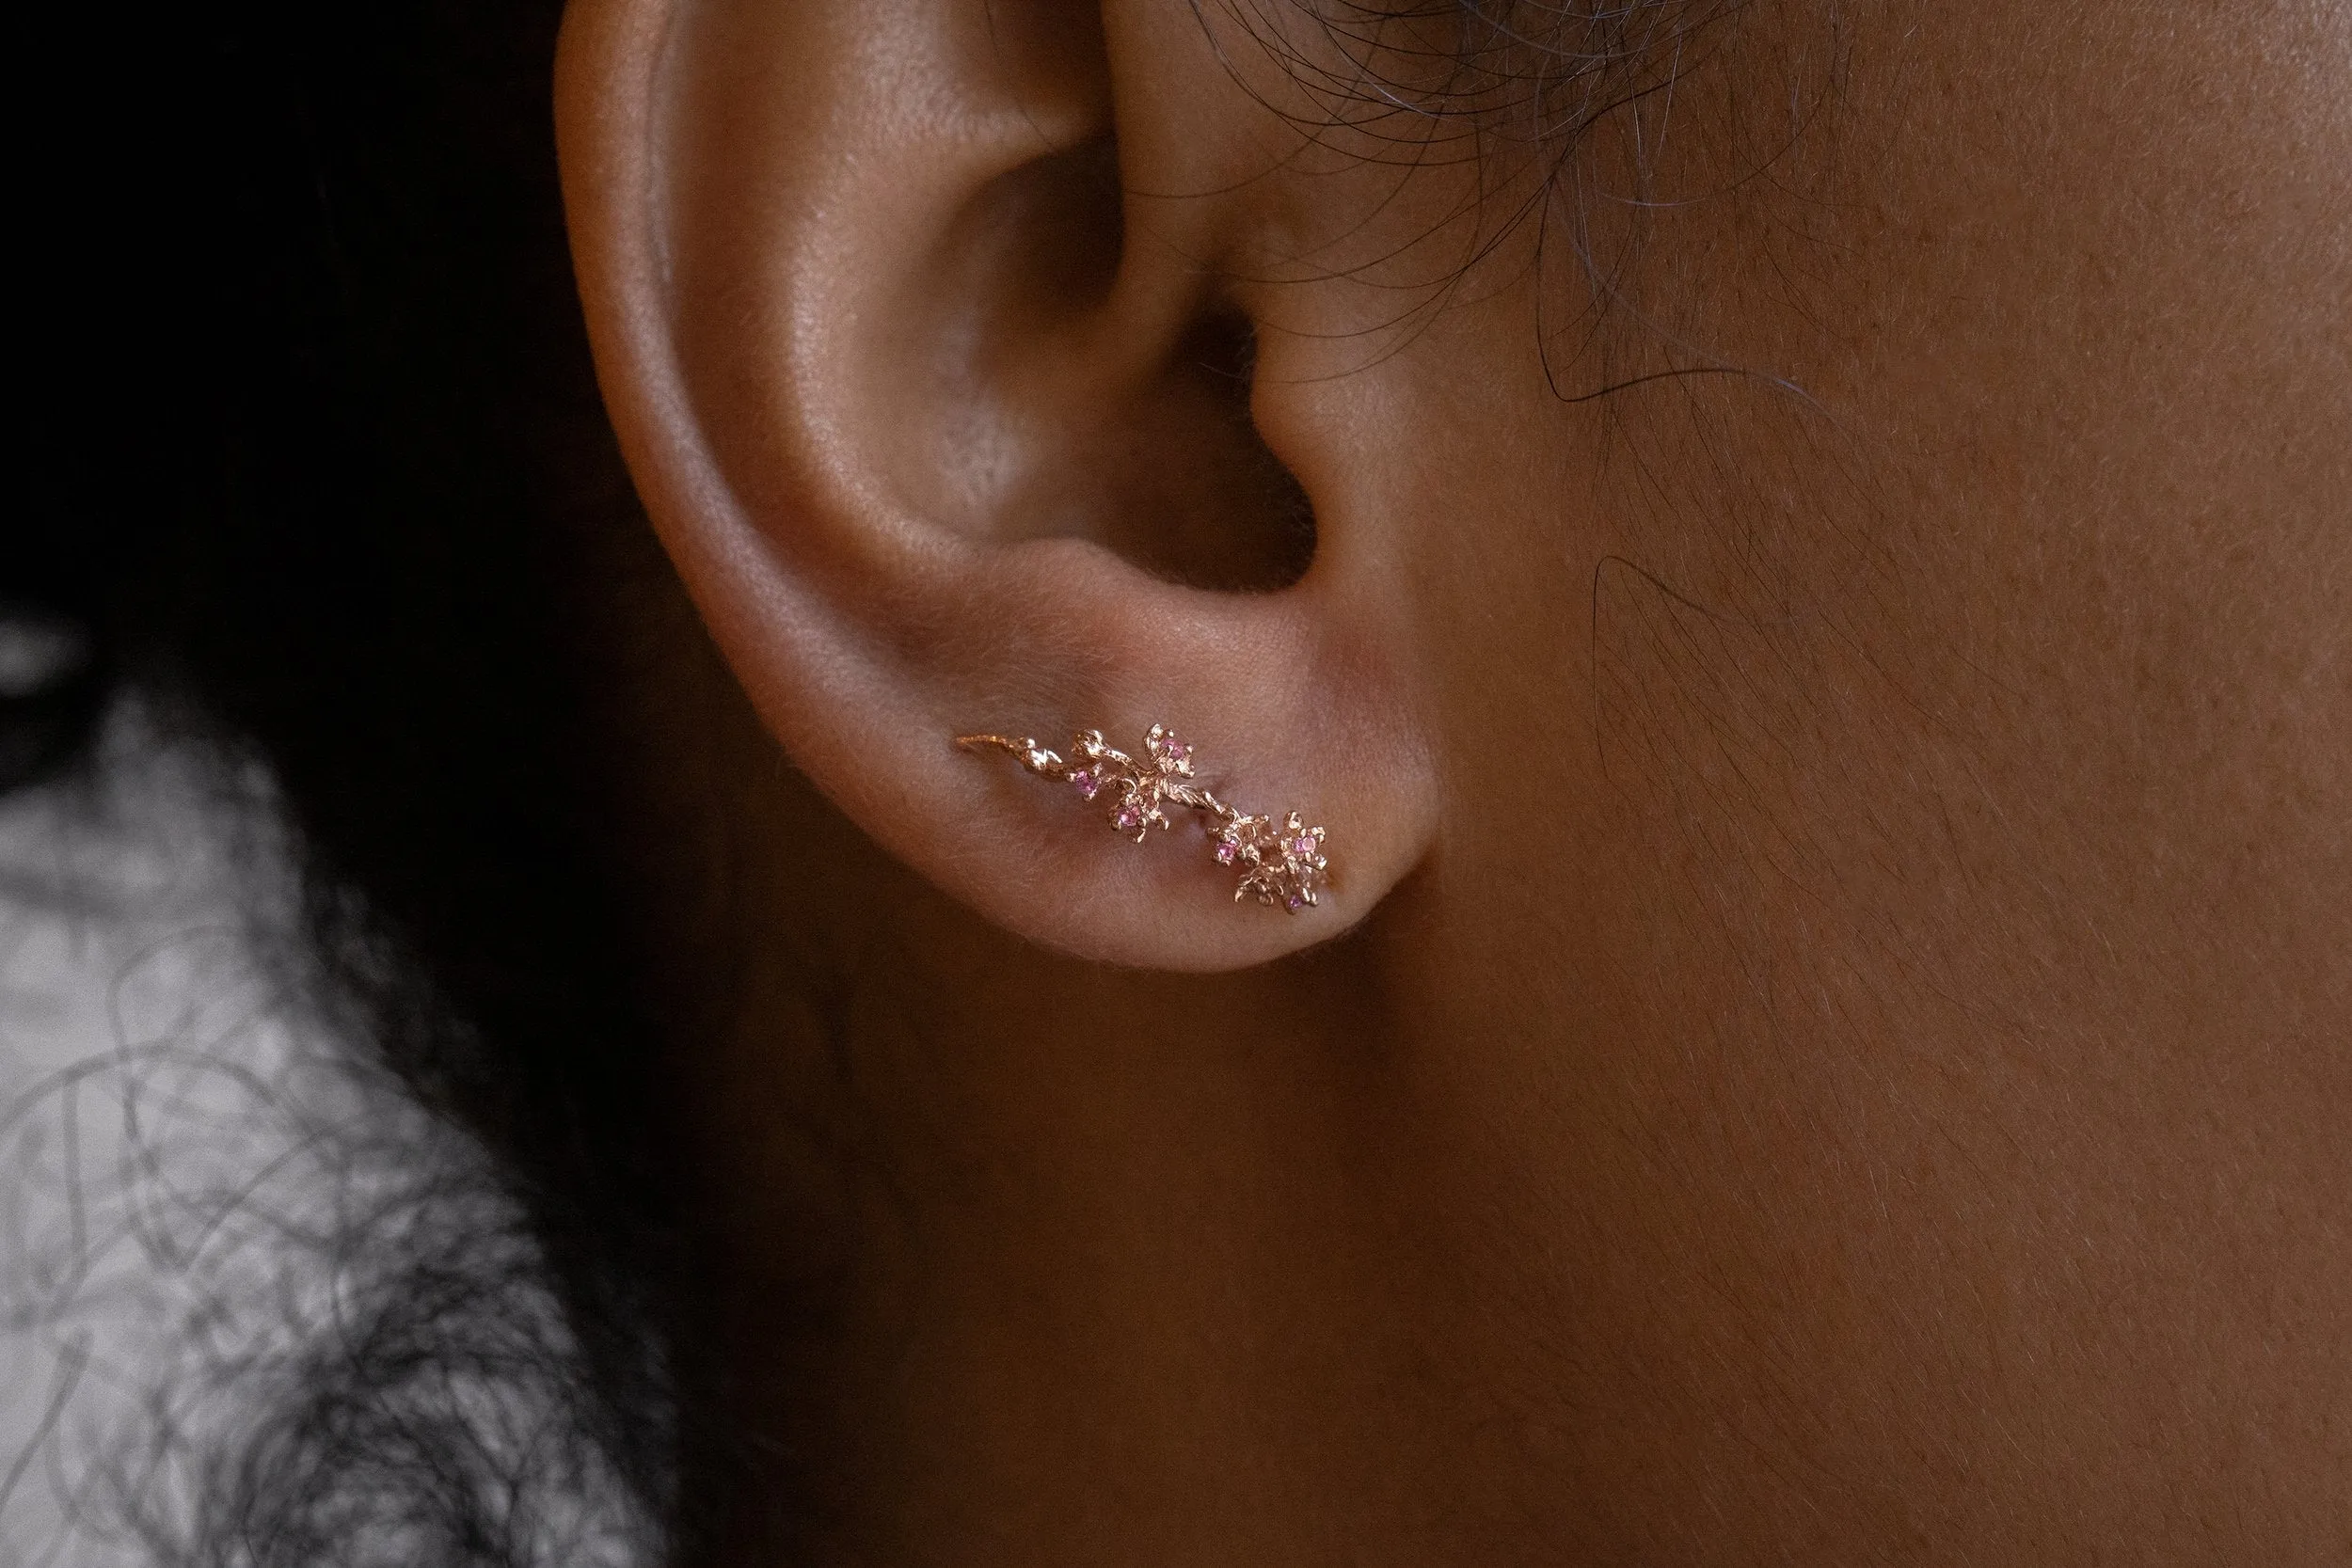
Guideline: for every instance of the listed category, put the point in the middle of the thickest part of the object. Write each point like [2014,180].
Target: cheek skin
[1897,837]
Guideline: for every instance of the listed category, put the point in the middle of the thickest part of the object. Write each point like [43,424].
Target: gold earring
[1281,863]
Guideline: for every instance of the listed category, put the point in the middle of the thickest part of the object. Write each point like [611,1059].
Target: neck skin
[1014,1249]
[1500,1230]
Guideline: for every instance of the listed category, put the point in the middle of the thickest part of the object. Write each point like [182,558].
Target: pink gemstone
[1303,846]
[1085,782]
[1225,853]
[1294,903]
[1128,818]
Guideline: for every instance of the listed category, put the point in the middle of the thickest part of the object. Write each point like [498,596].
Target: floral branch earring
[1281,863]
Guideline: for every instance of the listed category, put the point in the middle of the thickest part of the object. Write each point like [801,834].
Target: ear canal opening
[1170,474]
[1189,492]
[1261,536]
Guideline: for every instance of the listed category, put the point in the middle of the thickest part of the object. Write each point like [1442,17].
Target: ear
[946,437]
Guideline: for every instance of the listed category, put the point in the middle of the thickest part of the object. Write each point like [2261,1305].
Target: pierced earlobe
[1280,865]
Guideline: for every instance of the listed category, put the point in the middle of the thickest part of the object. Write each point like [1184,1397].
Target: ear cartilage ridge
[1280,865]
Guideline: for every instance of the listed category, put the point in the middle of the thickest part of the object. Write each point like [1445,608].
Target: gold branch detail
[1280,865]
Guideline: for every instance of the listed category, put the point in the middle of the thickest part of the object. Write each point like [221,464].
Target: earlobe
[939,445]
